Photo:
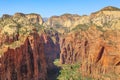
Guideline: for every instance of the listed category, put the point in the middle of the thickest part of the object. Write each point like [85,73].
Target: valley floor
[66,72]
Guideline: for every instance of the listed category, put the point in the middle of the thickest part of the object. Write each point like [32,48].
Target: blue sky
[47,8]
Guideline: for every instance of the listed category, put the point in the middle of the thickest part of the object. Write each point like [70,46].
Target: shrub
[100,28]
[83,27]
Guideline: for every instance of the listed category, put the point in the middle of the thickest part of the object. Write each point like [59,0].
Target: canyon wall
[96,51]
[26,62]
[28,49]
[51,49]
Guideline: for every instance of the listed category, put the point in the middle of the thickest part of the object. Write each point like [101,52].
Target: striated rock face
[36,54]
[67,20]
[25,62]
[96,51]
[24,55]
[104,17]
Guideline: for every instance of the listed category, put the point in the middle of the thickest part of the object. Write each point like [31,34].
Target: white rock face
[66,20]
[100,18]
[35,18]
[104,17]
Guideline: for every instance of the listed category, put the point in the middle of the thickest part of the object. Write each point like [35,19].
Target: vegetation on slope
[69,71]
[83,27]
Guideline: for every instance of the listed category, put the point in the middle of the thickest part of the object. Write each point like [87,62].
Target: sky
[47,8]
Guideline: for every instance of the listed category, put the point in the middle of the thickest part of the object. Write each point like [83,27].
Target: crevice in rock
[14,75]
[86,43]
[39,65]
[118,64]
[31,59]
[100,54]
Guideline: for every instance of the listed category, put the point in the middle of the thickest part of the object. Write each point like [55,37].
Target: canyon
[29,45]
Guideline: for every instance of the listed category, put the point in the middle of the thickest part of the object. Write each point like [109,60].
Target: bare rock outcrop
[67,20]
[35,18]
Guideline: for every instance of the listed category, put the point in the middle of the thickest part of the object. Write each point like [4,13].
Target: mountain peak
[110,8]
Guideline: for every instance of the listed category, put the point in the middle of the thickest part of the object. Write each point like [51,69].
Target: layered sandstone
[67,20]
[96,51]
[25,62]
[27,50]
[102,18]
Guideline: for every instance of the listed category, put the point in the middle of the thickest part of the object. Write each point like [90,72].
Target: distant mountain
[99,18]
[45,19]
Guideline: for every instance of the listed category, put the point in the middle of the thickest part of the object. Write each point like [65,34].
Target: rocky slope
[96,51]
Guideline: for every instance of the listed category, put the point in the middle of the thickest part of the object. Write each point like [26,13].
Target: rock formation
[25,62]
[67,20]
[96,51]
[28,49]
[51,50]
[99,18]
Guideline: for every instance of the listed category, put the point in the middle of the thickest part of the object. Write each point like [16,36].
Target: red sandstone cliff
[25,62]
[97,52]
[29,59]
